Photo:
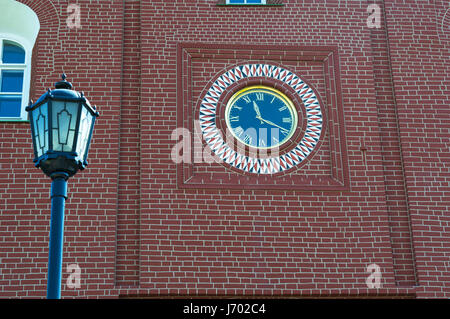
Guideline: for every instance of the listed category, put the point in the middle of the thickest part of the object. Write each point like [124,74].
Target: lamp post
[62,122]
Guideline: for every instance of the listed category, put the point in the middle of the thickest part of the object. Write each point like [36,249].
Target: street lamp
[62,121]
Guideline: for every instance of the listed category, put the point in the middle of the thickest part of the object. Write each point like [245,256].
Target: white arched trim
[19,24]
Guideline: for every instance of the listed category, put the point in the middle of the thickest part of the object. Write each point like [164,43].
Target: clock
[261,117]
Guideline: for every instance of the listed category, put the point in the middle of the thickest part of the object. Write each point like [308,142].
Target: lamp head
[62,122]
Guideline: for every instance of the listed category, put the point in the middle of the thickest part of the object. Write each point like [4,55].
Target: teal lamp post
[62,122]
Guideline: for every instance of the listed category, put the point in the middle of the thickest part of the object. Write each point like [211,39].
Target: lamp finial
[64,84]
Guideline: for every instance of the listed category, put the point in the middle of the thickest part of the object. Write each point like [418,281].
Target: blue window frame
[12,67]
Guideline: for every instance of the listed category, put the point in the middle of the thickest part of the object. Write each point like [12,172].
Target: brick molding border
[187,108]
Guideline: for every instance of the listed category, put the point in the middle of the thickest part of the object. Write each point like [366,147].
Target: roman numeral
[281,109]
[287,120]
[273,99]
[262,142]
[234,118]
[239,130]
[259,96]
[246,99]
[248,139]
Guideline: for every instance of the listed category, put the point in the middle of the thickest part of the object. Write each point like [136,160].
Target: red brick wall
[418,39]
[133,230]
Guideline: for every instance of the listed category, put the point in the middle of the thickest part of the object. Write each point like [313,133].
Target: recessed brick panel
[199,67]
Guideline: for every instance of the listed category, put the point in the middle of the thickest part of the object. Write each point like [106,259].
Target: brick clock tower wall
[169,206]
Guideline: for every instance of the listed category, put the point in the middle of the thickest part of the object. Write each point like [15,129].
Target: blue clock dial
[261,117]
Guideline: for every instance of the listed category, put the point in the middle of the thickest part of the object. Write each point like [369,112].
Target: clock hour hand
[258,113]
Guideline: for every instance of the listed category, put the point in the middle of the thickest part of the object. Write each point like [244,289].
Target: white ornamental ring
[269,165]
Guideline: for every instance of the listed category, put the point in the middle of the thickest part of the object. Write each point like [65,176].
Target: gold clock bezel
[265,89]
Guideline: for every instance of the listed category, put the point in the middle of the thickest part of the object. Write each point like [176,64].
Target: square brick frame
[337,180]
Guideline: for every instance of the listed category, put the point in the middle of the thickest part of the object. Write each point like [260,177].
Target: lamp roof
[63,91]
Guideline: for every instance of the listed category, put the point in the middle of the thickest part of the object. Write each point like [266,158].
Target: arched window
[19,26]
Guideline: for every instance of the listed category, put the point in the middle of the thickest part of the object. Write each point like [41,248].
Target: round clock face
[261,117]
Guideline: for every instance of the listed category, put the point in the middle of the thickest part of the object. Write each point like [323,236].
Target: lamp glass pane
[86,122]
[64,119]
[13,53]
[10,105]
[39,116]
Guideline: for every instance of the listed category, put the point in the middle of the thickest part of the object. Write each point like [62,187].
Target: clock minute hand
[271,123]
[259,117]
